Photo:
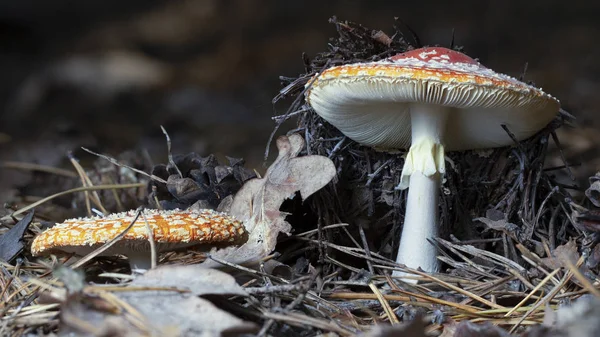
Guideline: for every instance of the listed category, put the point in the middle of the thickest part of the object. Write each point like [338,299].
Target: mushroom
[171,230]
[429,100]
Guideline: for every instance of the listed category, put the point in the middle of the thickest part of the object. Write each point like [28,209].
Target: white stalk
[422,172]
[420,224]
[139,260]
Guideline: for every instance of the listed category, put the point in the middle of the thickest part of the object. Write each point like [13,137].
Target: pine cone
[199,179]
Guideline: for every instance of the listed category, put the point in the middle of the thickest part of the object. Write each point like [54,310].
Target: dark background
[105,73]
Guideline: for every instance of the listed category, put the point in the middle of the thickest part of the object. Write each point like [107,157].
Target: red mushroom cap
[370,102]
[439,54]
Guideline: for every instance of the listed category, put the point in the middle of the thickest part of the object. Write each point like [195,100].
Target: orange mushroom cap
[171,230]
[370,102]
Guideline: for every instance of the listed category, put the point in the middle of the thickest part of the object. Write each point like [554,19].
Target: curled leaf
[11,243]
[258,201]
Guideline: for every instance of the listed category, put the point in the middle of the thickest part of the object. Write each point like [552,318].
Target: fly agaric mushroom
[170,229]
[429,100]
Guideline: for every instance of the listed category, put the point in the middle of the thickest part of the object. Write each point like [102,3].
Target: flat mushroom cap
[370,102]
[171,230]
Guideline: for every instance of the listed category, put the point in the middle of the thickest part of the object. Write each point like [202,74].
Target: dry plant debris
[55,193]
[11,242]
[166,301]
[506,217]
[593,192]
[192,178]
[258,202]
[532,250]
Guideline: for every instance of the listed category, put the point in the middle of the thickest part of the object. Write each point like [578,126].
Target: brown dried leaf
[162,312]
[469,329]
[593,192]
[563,253]
[577,320]
[415,328]
[452,328]
[593,259]
[11,242]
[497,221]
[195,278]
[586,219]
[187,314]
[257,202]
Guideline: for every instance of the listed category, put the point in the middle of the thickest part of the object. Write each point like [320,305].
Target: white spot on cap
[425,54]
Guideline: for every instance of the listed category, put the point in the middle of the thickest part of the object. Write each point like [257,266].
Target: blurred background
[105,74]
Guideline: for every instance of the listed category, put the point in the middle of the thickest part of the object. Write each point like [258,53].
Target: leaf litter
[521,256]
[166,301]
[258,202]
[11,242]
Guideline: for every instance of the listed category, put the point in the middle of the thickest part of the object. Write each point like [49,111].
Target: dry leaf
[195,278]
[587,220]
[580,319]
[577,320]
[186,314]
[11,243]
[171,312]
[257,202]
[469,329]
[593,259]
[497,221]
[563,253]
[593,192]
[415,328]
[82,315]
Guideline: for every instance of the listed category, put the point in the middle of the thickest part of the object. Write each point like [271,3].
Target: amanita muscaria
[171,230]
[428,100]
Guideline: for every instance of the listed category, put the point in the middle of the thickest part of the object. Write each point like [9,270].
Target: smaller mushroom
[171,230]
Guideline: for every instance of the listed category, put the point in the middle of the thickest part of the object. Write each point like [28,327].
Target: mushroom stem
[420,224]
[422,173]
[139,260]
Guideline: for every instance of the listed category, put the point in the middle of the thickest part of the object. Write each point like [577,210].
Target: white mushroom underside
[375,112]
[126,247]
